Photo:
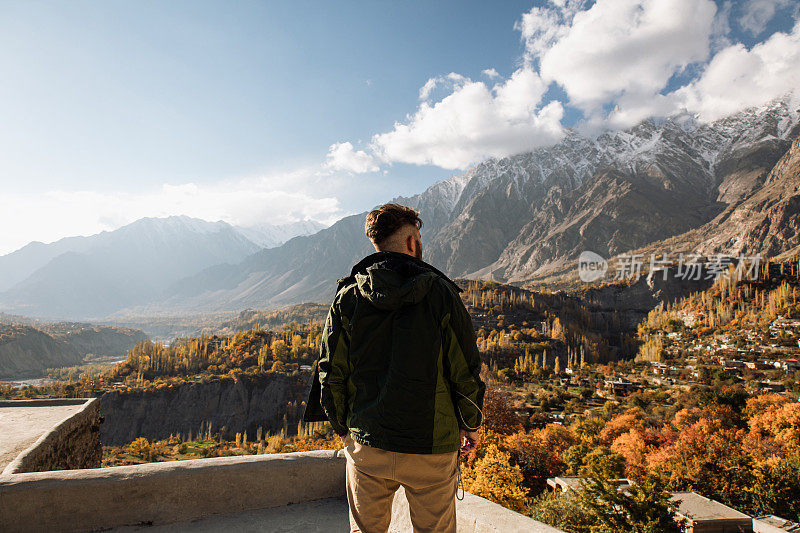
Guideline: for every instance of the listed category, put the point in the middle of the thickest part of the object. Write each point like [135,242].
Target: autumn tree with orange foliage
[707,458]
[536,459]
[496,479]
[774,425]
[632,446]
[632,419]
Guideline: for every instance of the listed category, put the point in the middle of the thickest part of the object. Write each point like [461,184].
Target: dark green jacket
[398,365]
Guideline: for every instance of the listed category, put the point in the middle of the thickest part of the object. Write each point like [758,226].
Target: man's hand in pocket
[469,439]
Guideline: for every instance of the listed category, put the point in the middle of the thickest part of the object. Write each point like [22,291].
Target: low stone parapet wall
[72,443]
[180,491]
[159,493]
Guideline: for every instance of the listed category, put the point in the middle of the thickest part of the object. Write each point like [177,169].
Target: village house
[703,515]
[771,386]
[758,365]
[774,524]
[621,386]
[566,483]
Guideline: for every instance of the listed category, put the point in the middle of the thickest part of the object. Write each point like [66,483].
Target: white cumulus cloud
[737,77]
[474,122]
[624,48]
[450,82]
[342,156]
[541,27]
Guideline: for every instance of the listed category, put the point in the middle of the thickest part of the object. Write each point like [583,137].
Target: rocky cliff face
[767,221]
[228,405]
[91,339]
[764,221]
[635,300]
[26,352]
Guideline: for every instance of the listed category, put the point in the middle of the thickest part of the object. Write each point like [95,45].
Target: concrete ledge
[473,515]
[216,492]
[317,516]
[44,402]
[331,514]
[74,442]
[161,493]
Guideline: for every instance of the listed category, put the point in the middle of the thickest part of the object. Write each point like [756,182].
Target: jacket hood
[390,280]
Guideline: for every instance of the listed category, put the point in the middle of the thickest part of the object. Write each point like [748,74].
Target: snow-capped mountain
[272,235]
[613,193]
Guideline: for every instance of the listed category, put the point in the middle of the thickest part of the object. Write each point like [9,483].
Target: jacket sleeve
[333,367]
[463,365]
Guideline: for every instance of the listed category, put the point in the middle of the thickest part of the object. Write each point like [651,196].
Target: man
[397,378]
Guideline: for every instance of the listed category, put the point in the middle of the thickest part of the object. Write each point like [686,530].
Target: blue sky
[141,92]
[114,110]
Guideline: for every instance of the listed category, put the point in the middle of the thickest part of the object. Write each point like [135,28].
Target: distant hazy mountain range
[714,187]
[84,277]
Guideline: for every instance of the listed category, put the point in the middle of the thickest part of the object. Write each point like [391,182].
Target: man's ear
[410,243]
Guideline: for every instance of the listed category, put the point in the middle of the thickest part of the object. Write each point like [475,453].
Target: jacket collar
[380,256]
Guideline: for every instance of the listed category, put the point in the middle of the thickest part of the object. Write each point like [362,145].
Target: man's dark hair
[384,221]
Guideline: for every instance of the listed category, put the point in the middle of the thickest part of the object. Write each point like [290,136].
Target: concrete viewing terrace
[302,491]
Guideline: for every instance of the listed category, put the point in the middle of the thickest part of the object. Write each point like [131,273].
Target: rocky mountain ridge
[656,180]
[763,222]
[519,217]
[89,277]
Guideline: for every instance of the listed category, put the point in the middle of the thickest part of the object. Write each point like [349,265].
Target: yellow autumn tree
[140,447]
[280,350]
[499,481]
[778,420]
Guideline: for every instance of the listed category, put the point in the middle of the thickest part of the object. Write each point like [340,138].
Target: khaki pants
[373,476]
